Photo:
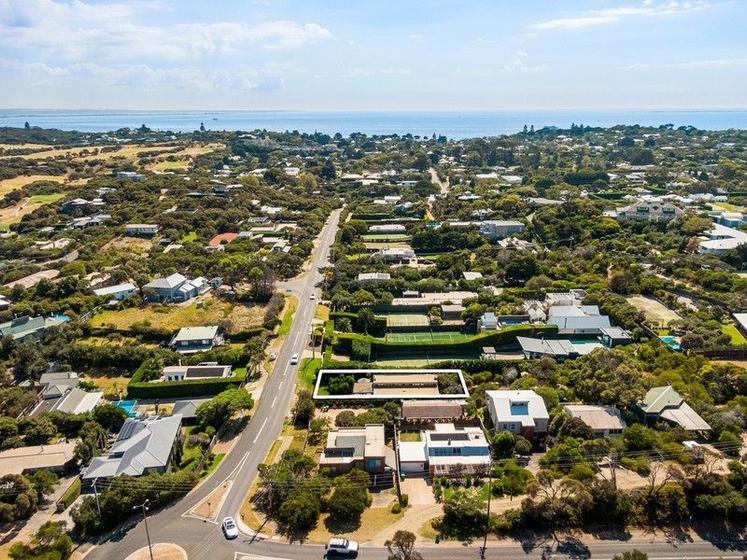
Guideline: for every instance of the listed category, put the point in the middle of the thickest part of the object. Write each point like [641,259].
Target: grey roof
[667,403]
[188,408]
[77,401]
[119,288]
[196,333]
[615,332]
[597,417]
[549,347]
[141,445]
[169,282]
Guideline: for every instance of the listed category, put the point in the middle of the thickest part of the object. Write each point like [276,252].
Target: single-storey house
[187,408]
[117,292]
[577,319]
[666,404]
[141,230]
[603,420]
[130,176]
[539,348]
[23,460]
[498,229]
[22,328]
[78,401]
[431,410]
[141,447]
[374,277]
[614,336]
[519,412]
[363,448]
[190,340]
[205,370]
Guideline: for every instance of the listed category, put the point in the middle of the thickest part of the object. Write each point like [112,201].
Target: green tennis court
[420,337]
[407,320]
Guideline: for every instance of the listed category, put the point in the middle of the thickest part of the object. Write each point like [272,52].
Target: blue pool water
[671,342]
[127,406]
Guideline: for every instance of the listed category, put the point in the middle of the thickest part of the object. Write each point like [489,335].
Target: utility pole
[487,518]
[96,494]
[144,507]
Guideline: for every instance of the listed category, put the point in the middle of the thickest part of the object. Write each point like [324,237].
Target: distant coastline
[453,124]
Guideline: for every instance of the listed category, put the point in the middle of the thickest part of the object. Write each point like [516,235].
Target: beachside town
[329,337]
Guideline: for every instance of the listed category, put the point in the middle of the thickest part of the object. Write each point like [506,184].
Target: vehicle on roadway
[341,547]
[312,297]
[229,528]
[294,359]
[273,356]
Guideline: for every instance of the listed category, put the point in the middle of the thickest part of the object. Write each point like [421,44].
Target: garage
[412,459]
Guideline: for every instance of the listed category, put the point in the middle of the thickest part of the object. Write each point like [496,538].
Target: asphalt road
[204,540]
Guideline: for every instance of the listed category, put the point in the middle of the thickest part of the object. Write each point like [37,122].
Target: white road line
[272,405]
[260,431]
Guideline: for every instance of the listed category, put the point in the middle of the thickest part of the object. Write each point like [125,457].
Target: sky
[349,55]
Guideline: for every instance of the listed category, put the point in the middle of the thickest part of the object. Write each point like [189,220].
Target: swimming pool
[127,406]
[671,341]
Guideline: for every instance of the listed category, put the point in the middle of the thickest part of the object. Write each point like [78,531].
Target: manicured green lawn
[737,339]
[191,237]
[285,324]
[45,198]
[426,336]
[409,436]
[307,373]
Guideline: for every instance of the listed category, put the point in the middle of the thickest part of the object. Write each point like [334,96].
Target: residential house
[577,319]
[56,457]
[361,448]
[395,255]
[603,420]
[205,370]
[649,210]
[487,322]
[175,288]
[498,229]
[614,336]
[446,450]
[22,328]
[190,340]
[534,348]
[4,303]
[89,221]
[469,276]
[374,277]
[118,292]
[130,176]
[666,404]
[387,228]
[722,239]
[432,410]
[141,230]
[187,409]
[141,447]
[78,401]
[519,412]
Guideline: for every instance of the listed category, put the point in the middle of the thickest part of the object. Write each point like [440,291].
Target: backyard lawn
[173,317]
[737,339]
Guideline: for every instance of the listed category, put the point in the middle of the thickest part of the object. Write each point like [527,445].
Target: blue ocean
[452,124]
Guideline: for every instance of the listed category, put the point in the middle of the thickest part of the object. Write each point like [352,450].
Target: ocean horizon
[452,124]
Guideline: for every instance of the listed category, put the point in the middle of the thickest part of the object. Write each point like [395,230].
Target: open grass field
[128,244]
[168,165]
[13,214]
[387,245]
[128,152]
[406,320]
[372,522]
[9,185]
[173,317]
[737,339]
[656,313]
[108,384]
[426,337]
[728,207]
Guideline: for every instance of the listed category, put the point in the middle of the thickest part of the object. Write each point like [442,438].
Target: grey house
[175,288]
[142,447]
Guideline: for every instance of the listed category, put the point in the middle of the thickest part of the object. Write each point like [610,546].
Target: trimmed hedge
[69,496]
[137,389]
[507,335]
[246,334]
[378,328]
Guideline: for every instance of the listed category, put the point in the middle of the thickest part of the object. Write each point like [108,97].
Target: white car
[229,528]
[312,297]
[273,356]
[344,547]
[294,359]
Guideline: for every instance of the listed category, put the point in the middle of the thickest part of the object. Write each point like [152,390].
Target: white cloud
[648,8]
[78,30]
[711,63]
[519,62]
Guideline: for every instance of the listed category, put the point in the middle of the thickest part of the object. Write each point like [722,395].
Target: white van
[342,547]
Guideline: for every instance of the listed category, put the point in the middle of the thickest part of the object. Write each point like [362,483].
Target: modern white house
[520,412]
[374,277]
[205,370]
[446,450]
[141,230]
[577,319]
[722,239]
[498,229]
[117,292]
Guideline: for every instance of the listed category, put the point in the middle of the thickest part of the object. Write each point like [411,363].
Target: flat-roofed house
[519,412]
[446,450]
[539,348]
[362,448]
[141,230]
[374,277]
[603,420]
[190,340]
[498,229]
[200,371]
[22,460]
[141,447]
[666,404]
[614,336]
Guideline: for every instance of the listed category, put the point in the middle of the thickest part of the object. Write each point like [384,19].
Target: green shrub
[404,500]
[396,508]
[360,349]
[70,495]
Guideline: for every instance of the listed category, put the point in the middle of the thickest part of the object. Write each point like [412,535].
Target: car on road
[294,359]
[312,297]
[341,547]
[229,528]
[273,356]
